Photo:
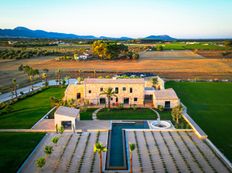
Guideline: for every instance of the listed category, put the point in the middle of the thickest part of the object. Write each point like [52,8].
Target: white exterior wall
[60,118]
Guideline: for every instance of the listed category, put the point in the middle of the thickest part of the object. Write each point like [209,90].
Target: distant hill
[23,32]
[160,37]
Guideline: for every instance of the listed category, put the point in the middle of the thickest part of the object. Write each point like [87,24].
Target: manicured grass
[28,111]
[88,114]
[210,105]
[127,114]
[15,147]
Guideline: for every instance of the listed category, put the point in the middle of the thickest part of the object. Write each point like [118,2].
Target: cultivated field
[177,67]
[177,54]
[210,105]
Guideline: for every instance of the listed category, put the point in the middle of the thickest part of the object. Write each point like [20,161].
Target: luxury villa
[132,91]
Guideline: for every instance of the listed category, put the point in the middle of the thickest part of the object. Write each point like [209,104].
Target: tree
[44,76]
[108,50]
[40,162]
[56,102]
[14,86]
[109,93]
[67,79]
[177,113]
[79,80]
[228,43]
[155,81]
[48,149]
[99,148]
[132,148]
[58,76]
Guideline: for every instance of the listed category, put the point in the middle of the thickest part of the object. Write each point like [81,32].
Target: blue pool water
[116,156]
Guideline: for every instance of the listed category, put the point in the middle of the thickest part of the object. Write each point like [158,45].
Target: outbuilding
[166,98]
[67,117]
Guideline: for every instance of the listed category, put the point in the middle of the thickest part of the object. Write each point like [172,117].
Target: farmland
[178,60]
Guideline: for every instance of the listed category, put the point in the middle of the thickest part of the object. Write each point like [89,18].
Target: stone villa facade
[130,91]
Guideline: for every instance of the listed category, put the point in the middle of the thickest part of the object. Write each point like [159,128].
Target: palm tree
[132,148]
[99,148]
[155,82]
[31,81]
[109,93]
[58,76]
[44,76]
[14,83]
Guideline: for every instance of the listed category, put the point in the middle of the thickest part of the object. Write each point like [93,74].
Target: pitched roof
[67,111]
[113,81]
[165,94]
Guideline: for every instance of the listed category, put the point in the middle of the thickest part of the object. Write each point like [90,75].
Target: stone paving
[173,152]
[156,151]
[72,153]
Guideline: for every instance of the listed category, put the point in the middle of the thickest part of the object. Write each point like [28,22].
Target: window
[131,90]
[126,101]
[78,95]
[116,90]
[116,99]
[124,88]
[101,89]
[111,98]
[89,91]
[135,99]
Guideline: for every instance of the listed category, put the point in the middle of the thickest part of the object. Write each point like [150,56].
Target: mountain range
[23,32]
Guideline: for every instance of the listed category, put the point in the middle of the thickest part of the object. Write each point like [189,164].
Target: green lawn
[126,114]
[28,111]
[130,114]
[88,114]
[210,105]
[15,147]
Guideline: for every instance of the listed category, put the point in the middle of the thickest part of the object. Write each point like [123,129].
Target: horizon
[178,19]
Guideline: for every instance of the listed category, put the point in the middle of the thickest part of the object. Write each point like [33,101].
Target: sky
[116,18]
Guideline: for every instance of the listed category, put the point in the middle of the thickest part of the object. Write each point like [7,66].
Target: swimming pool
[116,155]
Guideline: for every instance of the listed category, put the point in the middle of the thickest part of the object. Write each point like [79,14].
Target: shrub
[61,129]
[40,162]
[160,108]
[134,107]
[121,106]
[83,108]
[55,139]
[48,149]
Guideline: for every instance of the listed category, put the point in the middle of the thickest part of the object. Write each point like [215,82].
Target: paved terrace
[73,153]
[172,151]
[156,151]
